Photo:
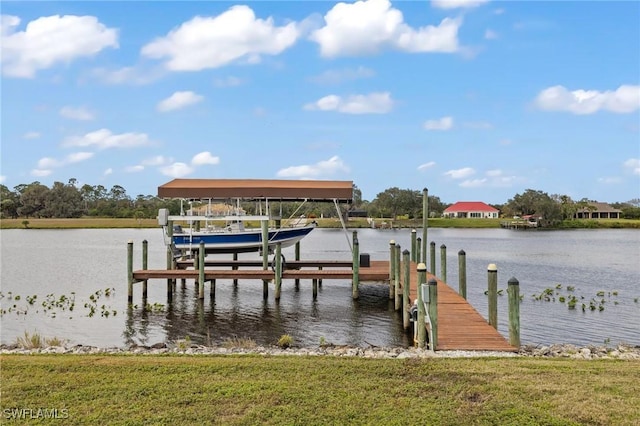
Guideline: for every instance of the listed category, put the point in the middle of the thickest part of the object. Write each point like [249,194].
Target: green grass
[242,390]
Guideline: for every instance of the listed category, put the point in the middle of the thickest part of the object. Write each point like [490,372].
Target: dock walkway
[460,326]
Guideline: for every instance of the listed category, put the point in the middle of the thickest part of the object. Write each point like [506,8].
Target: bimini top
[252,189]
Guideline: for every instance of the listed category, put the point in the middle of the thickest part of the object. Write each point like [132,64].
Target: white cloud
[632,165]
[490,35]
[625,99]
[610,180]
[323,168]
[77,157]
[135,75]
[31,135]
[342,75]
[134,169]
[212,42]
[179,100]
[366,27]
[47,162]
[103,139]
[204,158]
[230,81]
[3,179]
[426,166]
[107,172]
[373,103]
[80,113]
[473,183]
[158,160]
[50,40]
[455,4]
[460,173]
[494,173]
[176,170]
[444,123]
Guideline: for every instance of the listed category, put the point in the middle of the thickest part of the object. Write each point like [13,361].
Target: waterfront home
[596,210]
[471,209]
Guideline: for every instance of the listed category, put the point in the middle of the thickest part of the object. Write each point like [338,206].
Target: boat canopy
[254,189]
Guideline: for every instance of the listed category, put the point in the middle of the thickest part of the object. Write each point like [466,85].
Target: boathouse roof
[250,189]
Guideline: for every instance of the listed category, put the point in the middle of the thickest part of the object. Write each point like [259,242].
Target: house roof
[601,207]
[470,206]
[290,190]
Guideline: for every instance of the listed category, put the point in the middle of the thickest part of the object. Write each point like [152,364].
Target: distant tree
[9,203]
[63,201]
[33,199]
[533,202]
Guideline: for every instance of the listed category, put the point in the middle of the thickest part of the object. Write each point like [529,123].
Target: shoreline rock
[621,352]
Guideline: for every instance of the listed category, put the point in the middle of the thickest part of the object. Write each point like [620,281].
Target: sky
[474,100]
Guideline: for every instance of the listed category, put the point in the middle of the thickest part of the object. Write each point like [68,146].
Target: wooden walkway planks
[460,326]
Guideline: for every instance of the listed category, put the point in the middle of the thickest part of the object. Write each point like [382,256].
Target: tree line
[68,200]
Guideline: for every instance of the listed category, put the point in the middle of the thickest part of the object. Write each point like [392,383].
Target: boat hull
[239,242]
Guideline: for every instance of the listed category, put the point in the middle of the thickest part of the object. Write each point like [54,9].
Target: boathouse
[471,209]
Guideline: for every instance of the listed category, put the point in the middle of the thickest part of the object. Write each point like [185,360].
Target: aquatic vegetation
[595,303]
[52,304]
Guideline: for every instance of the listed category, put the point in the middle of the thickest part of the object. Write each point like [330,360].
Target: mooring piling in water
[265,256]
[392,267]
[414,241]
[433,313]
[443,263]
[418,245]
[406,283]
[462,273]
[355,283]
[432,257]
[145,256]
[492,292]
[513,291]
[396,287]
[297,257]
[420,324]
[201,255]
[130,271]
[278,271]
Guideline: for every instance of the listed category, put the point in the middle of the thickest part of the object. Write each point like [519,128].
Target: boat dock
[460,326]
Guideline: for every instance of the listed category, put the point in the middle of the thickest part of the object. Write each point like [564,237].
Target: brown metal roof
[312,190]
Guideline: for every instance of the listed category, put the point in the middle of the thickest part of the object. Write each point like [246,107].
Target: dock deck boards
[460,326]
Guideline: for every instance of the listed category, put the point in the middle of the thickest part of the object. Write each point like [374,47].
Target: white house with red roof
[471,209]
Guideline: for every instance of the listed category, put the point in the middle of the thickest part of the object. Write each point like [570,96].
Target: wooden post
[422,331]
[443,263]
[462,274]
[320,279]
[145,263]
[314,288]
[278,277]
[235,268]
[212,288]
[418,245]
[432,253]
[396,289]
[433,313]
[170,257]
[513,291]
[297,257]
[492,272]
[201,271]
[406,282]
[265,257]
[130,271]
[183,256]
[392,269]
[425,223]
[356,267]
[196,266]
[414,235]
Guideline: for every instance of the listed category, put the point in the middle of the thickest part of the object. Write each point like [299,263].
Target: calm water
[89,267]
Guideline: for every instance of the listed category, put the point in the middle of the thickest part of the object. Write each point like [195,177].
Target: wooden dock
[460,326]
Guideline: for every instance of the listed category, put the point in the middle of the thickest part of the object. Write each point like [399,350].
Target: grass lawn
[250,389]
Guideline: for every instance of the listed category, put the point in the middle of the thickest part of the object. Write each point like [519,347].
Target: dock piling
[418,245]
[462,274]
[297,257]
[513,290]
[492,292]
[392,267]
[433,313]
[432,257]
[145,263]
[406,283]
[265,256]
[396,289]
[356,267]
[443,263]
[130,271]
[235,268]
[425,223]
[201,271]
[278,271]
[421,323]
[414,235]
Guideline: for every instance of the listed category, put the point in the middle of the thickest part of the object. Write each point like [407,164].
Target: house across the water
[595,210]
[471,209]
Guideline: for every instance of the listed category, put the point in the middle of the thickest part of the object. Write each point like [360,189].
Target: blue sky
[474,100]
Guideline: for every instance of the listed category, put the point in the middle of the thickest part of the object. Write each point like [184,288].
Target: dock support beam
[492,291]
[425,223]
[201,271]
[130,271]
[392,267]
[145,263]
[265,257]
[433,313]
[406,283]
[356,267]
[278,272]
[443,263]
[513,291]
[462,274]
[396,289]
[421,323]
[432,257]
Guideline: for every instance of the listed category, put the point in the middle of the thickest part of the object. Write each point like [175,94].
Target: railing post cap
[392,242]
[414,230]
[422,267]
[461,252]
[492,267]
[432,281]
[144,241]
[130,242]
[433,243]
[443,246]
[513,281]
[406,251]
